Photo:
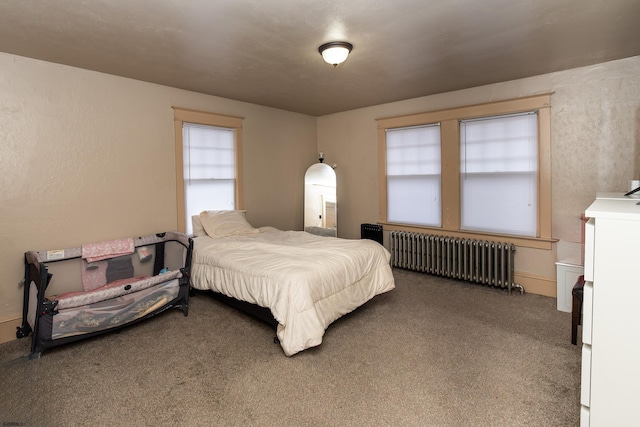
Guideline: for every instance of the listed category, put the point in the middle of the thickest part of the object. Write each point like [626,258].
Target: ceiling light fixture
[335,53]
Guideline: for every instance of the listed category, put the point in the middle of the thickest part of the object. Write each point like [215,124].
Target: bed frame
[260,313]
[162,265]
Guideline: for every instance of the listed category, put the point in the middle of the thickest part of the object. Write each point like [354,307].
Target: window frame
[449,120]
[183,115]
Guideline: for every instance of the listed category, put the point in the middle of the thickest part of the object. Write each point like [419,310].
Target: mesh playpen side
[60,307]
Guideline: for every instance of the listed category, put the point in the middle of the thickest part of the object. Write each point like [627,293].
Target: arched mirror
[320,208]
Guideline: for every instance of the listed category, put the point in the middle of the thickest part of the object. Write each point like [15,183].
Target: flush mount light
[335,53]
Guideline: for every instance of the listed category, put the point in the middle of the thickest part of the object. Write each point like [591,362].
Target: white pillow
[198,229]
[225,223]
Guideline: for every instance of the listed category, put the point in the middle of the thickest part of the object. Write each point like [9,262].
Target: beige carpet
[432,352]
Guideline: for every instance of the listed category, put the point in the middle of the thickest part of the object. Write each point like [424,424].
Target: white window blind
[209,169]
[499,172]
[413,175]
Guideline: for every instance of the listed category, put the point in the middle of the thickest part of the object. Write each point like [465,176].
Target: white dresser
[610,388]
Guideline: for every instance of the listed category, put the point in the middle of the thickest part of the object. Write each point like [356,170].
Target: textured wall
[596,137]
[595,125]
[87,156]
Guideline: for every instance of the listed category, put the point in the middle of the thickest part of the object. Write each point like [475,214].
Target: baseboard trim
[537,284]
[8,326]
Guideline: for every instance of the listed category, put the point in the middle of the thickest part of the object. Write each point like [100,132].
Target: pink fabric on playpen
[93,252]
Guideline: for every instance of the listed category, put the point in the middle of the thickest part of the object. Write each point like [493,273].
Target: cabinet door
[615,349]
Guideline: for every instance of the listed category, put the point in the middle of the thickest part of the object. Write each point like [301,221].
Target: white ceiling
[265,52]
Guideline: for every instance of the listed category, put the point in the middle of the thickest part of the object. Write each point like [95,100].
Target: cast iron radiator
[478,261]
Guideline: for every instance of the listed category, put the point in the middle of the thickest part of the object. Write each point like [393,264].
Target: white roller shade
[413,175]
[499,174]
[209,169]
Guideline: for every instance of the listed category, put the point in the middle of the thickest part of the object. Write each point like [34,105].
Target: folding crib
[70,296]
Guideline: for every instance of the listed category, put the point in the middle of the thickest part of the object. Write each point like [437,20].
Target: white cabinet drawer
[584,417]
[587,312]
[589,246]
[585,389]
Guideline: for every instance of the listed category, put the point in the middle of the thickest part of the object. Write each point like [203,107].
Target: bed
[305,281]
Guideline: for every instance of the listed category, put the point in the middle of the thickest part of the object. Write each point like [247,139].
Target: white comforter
[305,280]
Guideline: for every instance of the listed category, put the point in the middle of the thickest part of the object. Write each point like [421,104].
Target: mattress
[306,281]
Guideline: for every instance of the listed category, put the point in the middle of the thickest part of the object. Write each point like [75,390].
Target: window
[498,166]
[208,169]
[492,178]
[208,148]
[413,175]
